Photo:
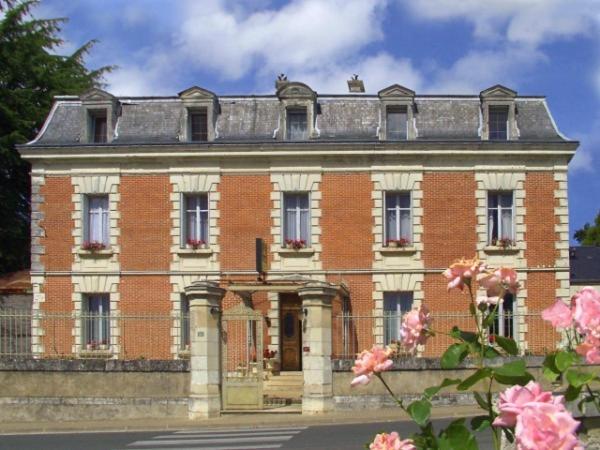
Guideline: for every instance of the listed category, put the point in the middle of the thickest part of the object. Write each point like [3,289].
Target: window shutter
[182,220]
[85,212]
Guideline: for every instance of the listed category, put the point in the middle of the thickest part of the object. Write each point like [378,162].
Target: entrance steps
[285,388]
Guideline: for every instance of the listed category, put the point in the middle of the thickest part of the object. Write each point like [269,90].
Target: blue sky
[549,47]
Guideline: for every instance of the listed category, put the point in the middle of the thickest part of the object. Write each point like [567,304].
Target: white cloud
[304,34]
[526,22]
[377,72]
[480,69]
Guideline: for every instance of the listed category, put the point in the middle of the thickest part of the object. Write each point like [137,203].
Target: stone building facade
[373,193]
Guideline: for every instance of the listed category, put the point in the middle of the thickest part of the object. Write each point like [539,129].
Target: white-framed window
[184,322]
[504,323]
[398,221]
[498,123]
[395,305]
[296,217]
[195,219]
[501,225]
[96,321]
[96,220]
[396,124]
[297,124]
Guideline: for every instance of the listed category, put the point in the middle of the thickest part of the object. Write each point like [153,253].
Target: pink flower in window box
[93,246]
[296,244]
[503,243]
[401,243]
[196,243]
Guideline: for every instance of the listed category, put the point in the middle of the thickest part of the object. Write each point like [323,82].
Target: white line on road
[225,435]
[211,441]
[226,430]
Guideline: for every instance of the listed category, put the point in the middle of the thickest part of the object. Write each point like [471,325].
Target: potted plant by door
[271,362]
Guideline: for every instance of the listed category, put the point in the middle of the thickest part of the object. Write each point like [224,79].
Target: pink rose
[461,272]
[512,401]
[413,330]
[586,311]
[559,315]
[391,441]
[490,301]
[500,281]
[369,362]
[546,426]
[590,349]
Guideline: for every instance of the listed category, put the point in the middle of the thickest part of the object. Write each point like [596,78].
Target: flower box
[295,244]
[196,244]
[93,246]
[397,243]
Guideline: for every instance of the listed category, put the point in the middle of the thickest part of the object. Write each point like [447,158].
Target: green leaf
[507,344]
[480,423]
[490,352]
[465,336]
[480,401]
[579,379]
[489,320]
[431,391]
[512,369]
[565,359]
[477,376]
[472,309]
[454,355]
[457,437]
[419,411]
[572,393]
[550,371]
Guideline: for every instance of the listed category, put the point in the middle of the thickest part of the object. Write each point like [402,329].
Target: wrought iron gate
[242,358]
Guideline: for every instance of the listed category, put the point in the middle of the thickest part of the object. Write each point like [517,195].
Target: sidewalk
[235,420]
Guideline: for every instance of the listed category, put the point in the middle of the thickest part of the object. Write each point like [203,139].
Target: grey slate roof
[585,265]
[255,118]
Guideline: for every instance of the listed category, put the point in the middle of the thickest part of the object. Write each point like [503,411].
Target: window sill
[194,252]
[494,250]
[296,252]
[184,354]
[104,253]
[398,250]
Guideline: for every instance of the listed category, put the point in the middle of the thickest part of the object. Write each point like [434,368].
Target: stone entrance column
[316,346]
[205,377]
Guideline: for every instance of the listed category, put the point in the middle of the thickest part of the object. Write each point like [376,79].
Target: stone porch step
[286,385]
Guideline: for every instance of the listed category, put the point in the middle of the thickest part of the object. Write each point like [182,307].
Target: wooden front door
[291,332]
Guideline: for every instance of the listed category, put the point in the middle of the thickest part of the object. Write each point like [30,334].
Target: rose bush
[523,413]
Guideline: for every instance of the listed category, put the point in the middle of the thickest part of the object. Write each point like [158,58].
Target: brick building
[135,198]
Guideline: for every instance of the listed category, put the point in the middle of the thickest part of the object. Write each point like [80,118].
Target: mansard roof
[255,118]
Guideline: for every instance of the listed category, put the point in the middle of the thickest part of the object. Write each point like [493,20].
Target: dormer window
[297,129]
[396,121]
[498,123]
[99,128]
[198,125]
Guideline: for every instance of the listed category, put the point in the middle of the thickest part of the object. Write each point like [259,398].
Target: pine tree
[589,234]
[31,74]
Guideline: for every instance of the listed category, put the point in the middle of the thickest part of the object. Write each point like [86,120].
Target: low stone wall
[51,390]
[409,377]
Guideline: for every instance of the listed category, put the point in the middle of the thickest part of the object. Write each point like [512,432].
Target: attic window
[198,126]
[297,124]
[498,123]
[396,123]
[99,127]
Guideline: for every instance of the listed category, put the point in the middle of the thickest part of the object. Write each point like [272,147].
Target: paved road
[326,437]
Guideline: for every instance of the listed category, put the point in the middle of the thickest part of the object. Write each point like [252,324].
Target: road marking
[210,440]
[226,430]
[229,435]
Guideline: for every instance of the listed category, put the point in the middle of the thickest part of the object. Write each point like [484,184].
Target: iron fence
[42,334]
[353,333]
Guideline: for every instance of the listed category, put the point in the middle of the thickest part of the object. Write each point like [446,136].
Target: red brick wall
[540,219]
[146,330]
[346,221]
[58,339]
[541,293]
[449,219]
[57,223]
[145,222]
[245,214]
